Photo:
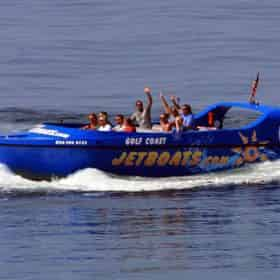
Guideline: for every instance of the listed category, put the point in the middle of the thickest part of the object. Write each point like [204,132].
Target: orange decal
[251,154]
[176,159]
[239,161]
[163,159]
[224,160]
[141,156]
[130,159]
[119,161]
[186,157]
[196,158]
[151,159]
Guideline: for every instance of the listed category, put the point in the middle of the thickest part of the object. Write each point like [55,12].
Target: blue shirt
[187,120]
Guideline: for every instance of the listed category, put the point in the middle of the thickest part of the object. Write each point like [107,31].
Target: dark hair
[129,121]
[165,115]
[120,116]
[188,107]
[104,113]
[174,110]
[93,115]
[138,102]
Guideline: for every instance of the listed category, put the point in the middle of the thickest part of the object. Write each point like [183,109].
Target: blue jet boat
[58,149]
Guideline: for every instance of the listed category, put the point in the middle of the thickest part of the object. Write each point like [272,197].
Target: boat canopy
[220,109]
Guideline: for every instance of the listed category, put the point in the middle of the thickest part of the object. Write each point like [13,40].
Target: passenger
[103,124]
[119,120]
[105,115]
[164,122]
[186,114]
[176,119]
[93,124]
[175,115]
[142,115]
[165,105]
[129,125]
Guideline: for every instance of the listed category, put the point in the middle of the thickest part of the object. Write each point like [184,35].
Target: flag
[254,86]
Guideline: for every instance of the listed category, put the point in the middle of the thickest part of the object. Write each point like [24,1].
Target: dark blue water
[62,59]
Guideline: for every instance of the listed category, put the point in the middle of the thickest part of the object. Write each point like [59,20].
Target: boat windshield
[240,117]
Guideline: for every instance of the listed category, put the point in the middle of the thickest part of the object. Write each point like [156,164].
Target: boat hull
[57,150]
[51,161]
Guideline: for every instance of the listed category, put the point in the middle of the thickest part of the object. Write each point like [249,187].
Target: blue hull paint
[51,162]
[61,149]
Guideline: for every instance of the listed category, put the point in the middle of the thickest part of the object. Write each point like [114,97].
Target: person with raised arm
[185,112]
[165,125]
[165,104]
[175,118]
[142,114]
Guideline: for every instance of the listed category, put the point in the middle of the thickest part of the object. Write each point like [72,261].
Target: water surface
[62,59]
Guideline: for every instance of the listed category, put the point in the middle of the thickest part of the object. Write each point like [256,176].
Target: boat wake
[92,180]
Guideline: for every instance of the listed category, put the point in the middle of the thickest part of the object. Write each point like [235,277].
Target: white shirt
[106,127]
[143,119]
[118,128]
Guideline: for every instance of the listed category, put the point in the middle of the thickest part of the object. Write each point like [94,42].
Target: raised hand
[147,90]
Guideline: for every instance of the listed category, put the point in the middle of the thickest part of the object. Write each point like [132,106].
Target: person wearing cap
[142,114]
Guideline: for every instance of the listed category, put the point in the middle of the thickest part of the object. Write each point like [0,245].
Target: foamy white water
[92,180]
